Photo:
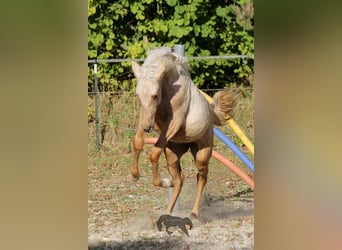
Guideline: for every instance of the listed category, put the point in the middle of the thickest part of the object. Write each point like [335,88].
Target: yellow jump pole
[233,125]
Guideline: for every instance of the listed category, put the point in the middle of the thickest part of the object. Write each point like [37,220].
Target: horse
[172,105]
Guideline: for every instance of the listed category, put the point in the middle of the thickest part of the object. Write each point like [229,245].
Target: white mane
[154,56]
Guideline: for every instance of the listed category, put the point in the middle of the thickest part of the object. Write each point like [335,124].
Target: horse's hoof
[135,177]
[166,183]
[193,215]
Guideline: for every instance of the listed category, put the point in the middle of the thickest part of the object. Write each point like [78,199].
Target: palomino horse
[171,104]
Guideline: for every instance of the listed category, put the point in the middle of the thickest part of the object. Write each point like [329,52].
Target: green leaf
[242,2]
[205,53]
[205,31]
[135,7]
[92,53]
[93,25]
[140,15]
[179,9]
[180,22]
[222,12]
[171,2]
[91,11]
[109,44]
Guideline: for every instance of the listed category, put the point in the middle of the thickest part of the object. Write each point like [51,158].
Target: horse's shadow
[152,243]
[215,207]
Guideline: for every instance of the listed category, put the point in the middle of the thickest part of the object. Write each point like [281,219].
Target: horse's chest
[197,123]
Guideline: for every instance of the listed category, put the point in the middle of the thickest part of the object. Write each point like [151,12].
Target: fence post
[96,107]
[179,49]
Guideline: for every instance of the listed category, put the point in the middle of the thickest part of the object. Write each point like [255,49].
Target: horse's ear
[160,71]
[136,69]
[173,56]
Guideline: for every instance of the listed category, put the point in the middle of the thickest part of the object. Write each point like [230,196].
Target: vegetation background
[128,28]
[118,206]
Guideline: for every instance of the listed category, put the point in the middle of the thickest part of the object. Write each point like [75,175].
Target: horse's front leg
[138,144]
[154,158]
[168,131]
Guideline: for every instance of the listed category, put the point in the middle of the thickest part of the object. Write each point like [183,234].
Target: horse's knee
[138,140]
[155,154]
[138,143]
[154,157]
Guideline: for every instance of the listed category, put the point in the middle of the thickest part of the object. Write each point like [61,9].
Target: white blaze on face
[149,93]
[149,96]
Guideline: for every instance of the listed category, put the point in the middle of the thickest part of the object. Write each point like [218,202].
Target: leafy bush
[127,28]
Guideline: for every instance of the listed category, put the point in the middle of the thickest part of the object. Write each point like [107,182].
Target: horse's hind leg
[138,143]
[173,153]
[202,156]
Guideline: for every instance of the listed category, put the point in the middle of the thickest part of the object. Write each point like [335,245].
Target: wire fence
[118,92]
[190,58]
[179,49]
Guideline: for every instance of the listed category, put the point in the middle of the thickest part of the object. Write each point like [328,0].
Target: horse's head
[149,93]
[188,222]
[158,70]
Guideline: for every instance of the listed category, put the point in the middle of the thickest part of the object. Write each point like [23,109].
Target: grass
[115,199]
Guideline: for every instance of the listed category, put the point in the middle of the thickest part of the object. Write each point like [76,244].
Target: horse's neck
[178,85]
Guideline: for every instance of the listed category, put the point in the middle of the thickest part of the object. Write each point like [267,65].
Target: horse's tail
[223,106]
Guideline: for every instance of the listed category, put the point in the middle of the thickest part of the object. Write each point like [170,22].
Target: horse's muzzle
[148,129]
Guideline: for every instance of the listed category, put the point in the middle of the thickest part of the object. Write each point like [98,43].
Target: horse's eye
[154,97]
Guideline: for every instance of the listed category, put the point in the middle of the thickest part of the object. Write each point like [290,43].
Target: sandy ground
[222,224]
[122,213]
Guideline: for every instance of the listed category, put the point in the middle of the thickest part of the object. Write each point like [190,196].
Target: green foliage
[91,115]
[127,28]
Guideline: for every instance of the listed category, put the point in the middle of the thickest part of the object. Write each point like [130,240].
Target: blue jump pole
[234,148]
